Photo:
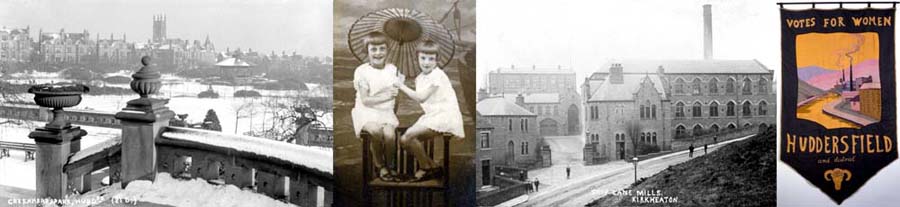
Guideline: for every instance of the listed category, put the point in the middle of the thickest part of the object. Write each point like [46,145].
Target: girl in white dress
[373,111]
[436,96]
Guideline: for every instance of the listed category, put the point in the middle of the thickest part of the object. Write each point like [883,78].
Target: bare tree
[633,130]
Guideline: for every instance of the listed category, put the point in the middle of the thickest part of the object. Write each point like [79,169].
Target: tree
[211,122]
[633,131]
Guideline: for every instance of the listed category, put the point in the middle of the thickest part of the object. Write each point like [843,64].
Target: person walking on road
[704,148]
[537,185]
[691,150]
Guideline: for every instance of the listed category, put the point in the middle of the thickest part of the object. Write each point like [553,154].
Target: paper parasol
[405,28]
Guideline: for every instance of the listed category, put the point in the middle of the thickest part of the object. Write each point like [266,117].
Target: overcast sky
[263,25]
[586,34]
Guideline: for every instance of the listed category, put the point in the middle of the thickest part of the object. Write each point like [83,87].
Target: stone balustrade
[148,146]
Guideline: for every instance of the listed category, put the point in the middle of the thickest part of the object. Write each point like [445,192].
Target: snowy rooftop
[315,158]
[233,62]
[498,106]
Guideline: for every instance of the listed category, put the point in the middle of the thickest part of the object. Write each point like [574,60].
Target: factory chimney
[707,32]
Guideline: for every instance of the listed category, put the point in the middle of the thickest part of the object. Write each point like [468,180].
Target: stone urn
[146,80]
[58,96]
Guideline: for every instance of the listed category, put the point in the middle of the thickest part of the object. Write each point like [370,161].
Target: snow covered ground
[15,171]
[182,95]
[195,192]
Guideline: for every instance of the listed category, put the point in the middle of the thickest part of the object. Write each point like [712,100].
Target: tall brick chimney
[707,32]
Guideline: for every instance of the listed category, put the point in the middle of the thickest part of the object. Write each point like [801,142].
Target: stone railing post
[142,121]
[57,139]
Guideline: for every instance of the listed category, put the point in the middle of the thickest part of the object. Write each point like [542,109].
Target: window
[713,86]
[763,86]
[698,130]
[679,86]
[729,110]
[714,128]
[745,109]
[522,125]
[509,127]
[697,112]
[679,131]
[486,172]
[679,110]
[695,86]
[762,108]
[643,137]
[642,112]
[713,109]
[524,148]
[653,111]
[748,87]
[654,137]
[729,86]
[485,140]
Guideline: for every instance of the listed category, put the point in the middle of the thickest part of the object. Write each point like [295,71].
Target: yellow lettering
[790,143]
[844,142]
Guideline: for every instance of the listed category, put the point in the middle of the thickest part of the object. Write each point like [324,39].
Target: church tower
[159,28]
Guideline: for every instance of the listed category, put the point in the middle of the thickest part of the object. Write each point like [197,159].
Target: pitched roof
[624,92]
[498,106]
[691,66]
[534,97]
[233,62]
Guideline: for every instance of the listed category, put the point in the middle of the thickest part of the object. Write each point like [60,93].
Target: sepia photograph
[404,100]
[623,104]
[166,103]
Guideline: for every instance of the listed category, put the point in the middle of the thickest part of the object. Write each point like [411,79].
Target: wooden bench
[407,193]
[28,148]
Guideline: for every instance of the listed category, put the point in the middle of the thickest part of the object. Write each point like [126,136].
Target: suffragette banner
[838,98]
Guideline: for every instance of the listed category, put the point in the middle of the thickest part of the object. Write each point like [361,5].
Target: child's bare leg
[412,144]
[375,146]
[390,144]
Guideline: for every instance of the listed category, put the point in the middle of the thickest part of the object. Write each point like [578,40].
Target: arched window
[642,112]
[679,86]
[745,109]
[679,109]
[748,87]
[654,137]
[729,86]
[762,108]
[695,86]
[713,109]
[714,128]
[696,110]
[653,111]
[698,130]
[713,86]
[731,126]
[763,86]
[643,137]
[729,110]
[679,131]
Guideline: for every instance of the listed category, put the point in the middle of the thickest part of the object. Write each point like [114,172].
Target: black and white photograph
[166,103]
[404,98]
[631,103]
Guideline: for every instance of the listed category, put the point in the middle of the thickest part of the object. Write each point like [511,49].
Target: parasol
[405,28]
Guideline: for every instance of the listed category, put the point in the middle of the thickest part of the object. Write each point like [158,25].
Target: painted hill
[741,173]
[805,91]
[823,79]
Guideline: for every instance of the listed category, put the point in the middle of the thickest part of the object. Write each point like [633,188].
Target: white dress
[441,108]
[379,82]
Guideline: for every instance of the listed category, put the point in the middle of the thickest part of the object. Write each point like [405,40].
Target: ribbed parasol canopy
[405,28]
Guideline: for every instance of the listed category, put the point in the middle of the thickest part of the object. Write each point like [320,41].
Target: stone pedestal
[53,149]
[142,121]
